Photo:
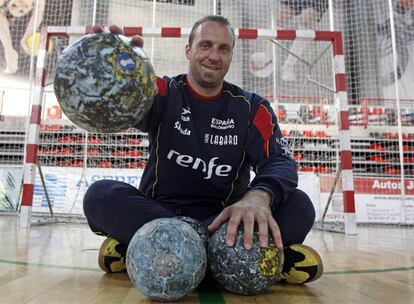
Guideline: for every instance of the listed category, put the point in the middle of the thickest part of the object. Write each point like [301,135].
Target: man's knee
[306,205]
[295,217]
[97,194]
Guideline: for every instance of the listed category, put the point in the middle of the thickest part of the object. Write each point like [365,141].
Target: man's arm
[276,178]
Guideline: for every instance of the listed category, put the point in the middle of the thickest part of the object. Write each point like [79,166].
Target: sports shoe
[302,264]
[112,256]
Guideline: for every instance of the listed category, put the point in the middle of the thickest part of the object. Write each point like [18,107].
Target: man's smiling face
[210,55]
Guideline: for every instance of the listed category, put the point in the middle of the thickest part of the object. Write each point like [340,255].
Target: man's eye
[225,49]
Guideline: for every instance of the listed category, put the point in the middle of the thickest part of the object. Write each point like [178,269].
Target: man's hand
[114,29]
[253,208]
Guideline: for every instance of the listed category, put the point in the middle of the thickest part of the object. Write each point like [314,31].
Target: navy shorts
[119,210]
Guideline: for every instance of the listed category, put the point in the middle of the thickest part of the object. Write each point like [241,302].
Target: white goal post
[330,110]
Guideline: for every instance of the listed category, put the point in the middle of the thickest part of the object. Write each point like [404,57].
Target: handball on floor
[166,259]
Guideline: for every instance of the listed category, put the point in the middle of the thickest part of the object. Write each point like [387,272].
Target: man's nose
[214,54]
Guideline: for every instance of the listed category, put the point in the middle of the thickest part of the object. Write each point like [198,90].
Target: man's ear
[187,51]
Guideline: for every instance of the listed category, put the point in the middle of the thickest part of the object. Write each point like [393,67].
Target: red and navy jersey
[202,149]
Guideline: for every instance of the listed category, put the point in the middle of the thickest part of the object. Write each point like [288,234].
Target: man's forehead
[213,30]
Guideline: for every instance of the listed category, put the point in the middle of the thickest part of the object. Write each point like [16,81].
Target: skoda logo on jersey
[125,62]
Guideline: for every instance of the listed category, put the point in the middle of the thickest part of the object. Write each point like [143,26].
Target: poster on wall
[404,48]
[19,20]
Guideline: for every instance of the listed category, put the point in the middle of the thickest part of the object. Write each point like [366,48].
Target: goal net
[296,75]
[379,38]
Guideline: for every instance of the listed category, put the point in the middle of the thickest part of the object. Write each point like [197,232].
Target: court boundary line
[45,265]
[206,296]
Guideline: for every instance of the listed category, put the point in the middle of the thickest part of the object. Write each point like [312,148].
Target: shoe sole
[101,256]
[312,252]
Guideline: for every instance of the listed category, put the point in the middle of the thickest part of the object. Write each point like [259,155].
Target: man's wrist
[265,193]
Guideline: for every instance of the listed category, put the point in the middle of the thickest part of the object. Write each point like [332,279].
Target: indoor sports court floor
[56,263]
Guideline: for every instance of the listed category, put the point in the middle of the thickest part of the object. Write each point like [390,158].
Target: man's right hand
[114,29]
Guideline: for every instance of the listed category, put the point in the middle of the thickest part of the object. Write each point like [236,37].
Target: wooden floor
[56,263]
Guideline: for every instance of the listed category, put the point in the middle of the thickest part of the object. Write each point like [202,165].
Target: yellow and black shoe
[302,264]
[112,256]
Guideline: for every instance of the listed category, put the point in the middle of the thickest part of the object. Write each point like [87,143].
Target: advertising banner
[66,188]
[377,200]
[10,187]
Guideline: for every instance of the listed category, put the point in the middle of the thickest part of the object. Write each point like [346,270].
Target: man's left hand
[253,208]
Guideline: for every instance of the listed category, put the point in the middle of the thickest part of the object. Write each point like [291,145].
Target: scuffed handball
[197,226]
[243,271]
[104,83]
[166,259]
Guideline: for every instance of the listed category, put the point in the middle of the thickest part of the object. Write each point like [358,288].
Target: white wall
[16,98]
